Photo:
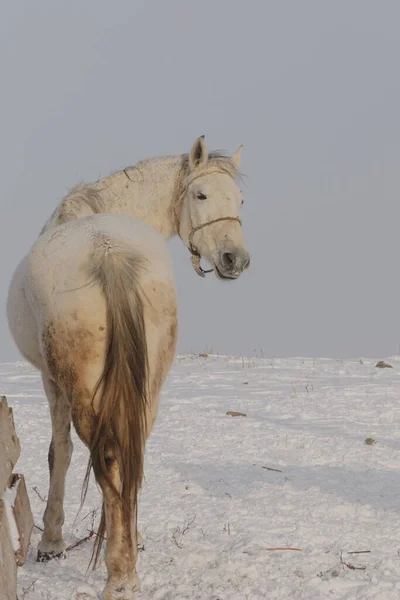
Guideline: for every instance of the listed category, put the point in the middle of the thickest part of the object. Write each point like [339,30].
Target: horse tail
[122,389]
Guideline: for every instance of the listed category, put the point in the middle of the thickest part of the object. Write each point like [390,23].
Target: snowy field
[223,495]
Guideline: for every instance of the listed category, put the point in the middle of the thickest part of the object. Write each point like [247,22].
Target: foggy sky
[311,89]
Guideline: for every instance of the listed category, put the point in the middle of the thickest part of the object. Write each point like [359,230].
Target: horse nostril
[228,259]
[246,264]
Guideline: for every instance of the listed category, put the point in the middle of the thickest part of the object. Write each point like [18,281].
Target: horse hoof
[122,589]
[46,556]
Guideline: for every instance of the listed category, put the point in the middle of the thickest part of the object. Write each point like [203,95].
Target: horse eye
[242,202]
[201,196]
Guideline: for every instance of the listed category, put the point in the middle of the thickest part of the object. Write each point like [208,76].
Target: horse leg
[121,544]
[60,451]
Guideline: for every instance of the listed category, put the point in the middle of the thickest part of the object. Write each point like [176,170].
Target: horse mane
[71,204]
[84,192]
[217,159]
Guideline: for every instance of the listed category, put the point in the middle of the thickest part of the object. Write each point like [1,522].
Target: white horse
[93,307]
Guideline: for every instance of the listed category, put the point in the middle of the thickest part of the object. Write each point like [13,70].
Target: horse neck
[147,191]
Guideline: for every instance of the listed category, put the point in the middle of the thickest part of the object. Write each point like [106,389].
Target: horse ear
[236,157]
[198,155]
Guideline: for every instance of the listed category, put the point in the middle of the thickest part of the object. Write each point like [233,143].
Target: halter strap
[196,257]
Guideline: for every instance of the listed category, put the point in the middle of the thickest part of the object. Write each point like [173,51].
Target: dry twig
[179,533]
[26,590]
[271,469]
[352,567]
[295,549]
[38,493]
[90,535]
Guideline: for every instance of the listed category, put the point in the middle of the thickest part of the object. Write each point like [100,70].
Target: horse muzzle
[231,264]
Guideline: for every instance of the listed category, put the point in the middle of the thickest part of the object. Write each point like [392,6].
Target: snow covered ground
[221,491]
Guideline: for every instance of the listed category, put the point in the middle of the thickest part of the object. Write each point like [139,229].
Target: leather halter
[195,258]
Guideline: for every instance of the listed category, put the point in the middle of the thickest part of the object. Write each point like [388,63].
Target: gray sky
[311,89]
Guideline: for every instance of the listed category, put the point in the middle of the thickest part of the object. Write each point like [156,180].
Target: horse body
[93,306]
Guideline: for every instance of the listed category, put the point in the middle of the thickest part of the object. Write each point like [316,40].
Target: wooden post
[9,444]
[16,521]
[8,564]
